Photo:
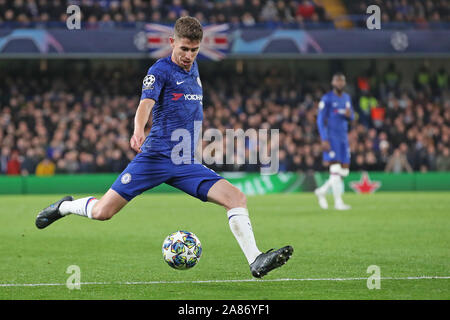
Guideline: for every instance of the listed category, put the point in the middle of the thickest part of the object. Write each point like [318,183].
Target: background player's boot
[50,214]
[270,260]
[340,205]
[323,203]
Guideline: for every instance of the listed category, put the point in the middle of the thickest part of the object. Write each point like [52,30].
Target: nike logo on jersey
[179,82]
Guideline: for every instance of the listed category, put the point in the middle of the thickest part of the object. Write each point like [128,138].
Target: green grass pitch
[405,234]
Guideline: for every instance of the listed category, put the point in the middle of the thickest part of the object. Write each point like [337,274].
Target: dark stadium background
[75,115]
[67,104]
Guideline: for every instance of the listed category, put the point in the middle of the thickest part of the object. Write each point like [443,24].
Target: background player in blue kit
[335,110]
[172,91]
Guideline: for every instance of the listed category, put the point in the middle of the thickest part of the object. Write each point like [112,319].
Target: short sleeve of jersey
[153,82]
[323,103]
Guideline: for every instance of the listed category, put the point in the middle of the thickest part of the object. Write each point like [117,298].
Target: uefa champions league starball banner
[221,42]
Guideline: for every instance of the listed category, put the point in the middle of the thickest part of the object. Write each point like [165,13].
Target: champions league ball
[182,250]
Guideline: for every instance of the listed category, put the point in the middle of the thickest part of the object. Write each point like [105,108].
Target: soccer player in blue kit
[335,110]
[172,91]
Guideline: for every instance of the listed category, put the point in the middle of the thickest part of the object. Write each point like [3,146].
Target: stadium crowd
[240,13]
[51,123]
[405,13]
[110,13]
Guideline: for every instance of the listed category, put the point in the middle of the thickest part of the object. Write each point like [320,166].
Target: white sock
[82,207]
[241,227]
[336,187]
[324,188]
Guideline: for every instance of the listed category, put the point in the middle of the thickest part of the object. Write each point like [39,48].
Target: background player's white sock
[82,207]
[241,227]
[324,188]
[336,187]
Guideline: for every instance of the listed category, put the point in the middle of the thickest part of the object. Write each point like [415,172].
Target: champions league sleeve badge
[148,82]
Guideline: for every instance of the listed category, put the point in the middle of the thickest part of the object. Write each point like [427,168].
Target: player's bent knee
[237,200]
[335,168]
[242,200]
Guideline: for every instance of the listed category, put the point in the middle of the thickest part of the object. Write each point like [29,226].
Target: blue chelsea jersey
[178,99]
[331,119]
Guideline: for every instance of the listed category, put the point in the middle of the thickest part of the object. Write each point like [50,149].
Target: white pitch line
[216,281]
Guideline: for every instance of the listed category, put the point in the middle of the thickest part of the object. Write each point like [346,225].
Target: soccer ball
[182,250]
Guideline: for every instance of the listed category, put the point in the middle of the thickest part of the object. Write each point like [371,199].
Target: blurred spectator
[13,165]
[118,162]
[383,154]
[72,164]
[248,20]
[100,165]
[87,163]
[371,162]
[443,160]
[440,83]
[306,9]
[392,78]
[45,168]
[430,159]
[398,163]
[367,102]
[61,167]
[29,163]
[4,157]
[269,12]
[422,80]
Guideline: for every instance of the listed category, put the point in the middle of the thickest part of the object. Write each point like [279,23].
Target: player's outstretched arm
[140,120]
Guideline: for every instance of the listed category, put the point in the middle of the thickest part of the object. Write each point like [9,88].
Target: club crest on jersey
[126,178]
[148,82]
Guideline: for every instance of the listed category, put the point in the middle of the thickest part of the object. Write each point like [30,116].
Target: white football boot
[340,205]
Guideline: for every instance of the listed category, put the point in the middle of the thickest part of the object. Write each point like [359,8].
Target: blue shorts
[147,171]
[339,151]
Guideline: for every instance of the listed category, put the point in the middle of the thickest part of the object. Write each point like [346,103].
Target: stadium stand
[129,13]
[238,13]
[77,118]
[402,14]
